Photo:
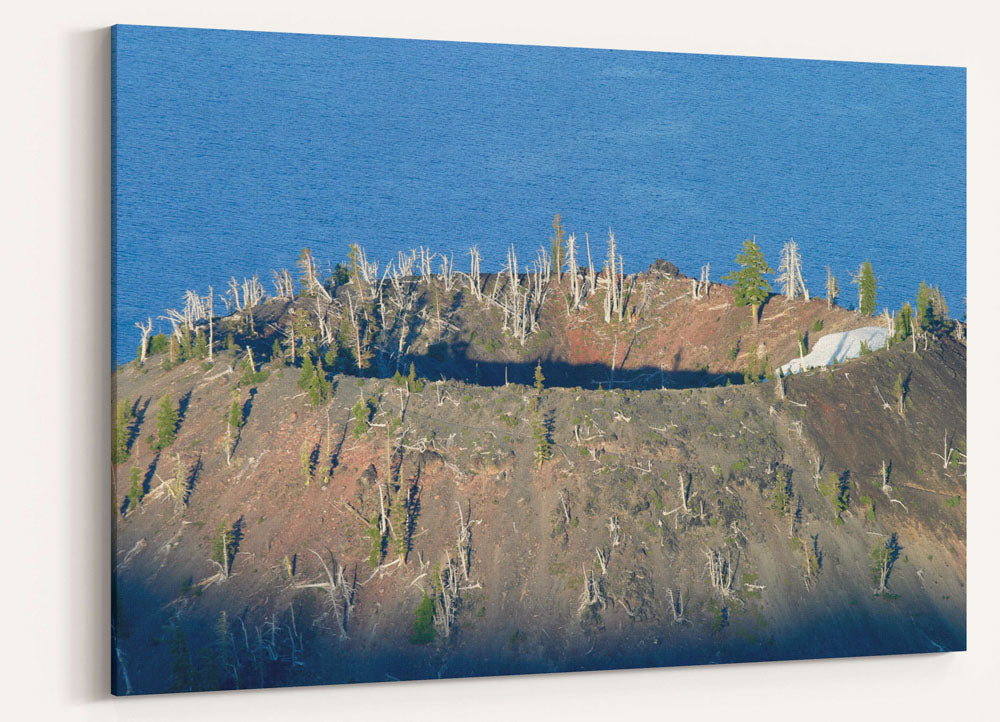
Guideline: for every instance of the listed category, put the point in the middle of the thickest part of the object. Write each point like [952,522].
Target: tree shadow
[138,416]
[182,407]
[147,479]
[248,406]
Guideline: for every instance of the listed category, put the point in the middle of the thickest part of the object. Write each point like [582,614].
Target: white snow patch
[836,347]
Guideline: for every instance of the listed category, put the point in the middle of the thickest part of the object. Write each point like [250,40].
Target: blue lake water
[233,150]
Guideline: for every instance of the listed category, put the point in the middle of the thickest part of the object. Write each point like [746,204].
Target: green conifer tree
[558,245]
[749,285]
[166,423]
[904,322]
[135,488]
[121,432]
[539,378]
[308,373]
[867,289]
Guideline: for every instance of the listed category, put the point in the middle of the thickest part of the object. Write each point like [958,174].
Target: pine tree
[277,353]
[234,422]
[135,488]
[750,286]
[543,446]
[867,288]
[558,244]
[319,388]
[932,310]
[166,424]
[308,373]
[200,348]
[121,432]
[904,322]
[539,378]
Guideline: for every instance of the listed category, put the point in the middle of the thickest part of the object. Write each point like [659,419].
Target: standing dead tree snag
[592,596]
[700,288]
[832,289]
[283,285]
[790,272]
[446,598]
[340,594]
[614,531]
[685,490]
[146,329]
[464,542]
[591,275]
[309,277]
[573,271]
[475,285]
[722,571]
[676,605]
[614,282]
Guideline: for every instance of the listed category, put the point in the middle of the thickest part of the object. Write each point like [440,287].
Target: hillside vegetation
[430,482]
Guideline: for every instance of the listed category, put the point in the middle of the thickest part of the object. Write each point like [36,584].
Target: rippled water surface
[232,150]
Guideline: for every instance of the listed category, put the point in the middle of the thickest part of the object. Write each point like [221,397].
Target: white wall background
[54,388]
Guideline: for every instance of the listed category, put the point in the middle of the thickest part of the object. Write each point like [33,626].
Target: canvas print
[443,359]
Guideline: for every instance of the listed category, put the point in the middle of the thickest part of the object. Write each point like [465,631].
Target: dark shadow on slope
[453,362]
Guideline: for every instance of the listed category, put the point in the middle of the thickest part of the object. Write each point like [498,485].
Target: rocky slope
[679,521]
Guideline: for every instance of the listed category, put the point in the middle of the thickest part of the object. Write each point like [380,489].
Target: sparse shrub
[378,543]
[306,459]
[953,501]
[423,622]
[838,491]
[817,325]
[361,411]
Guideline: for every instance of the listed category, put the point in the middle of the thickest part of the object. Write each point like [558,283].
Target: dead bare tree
[593,593]
[565,506]
[685,488]
[474,282]
[832,289]
[676,605]
[703,285]
[573,270]
[790,272]
[146,329]
[340,593]
[464,542]
[722,571]
[602,559]
[948,452]
[591,276]
[614,531]
[283,285]
[448,596]
[210,315]
[613,282]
